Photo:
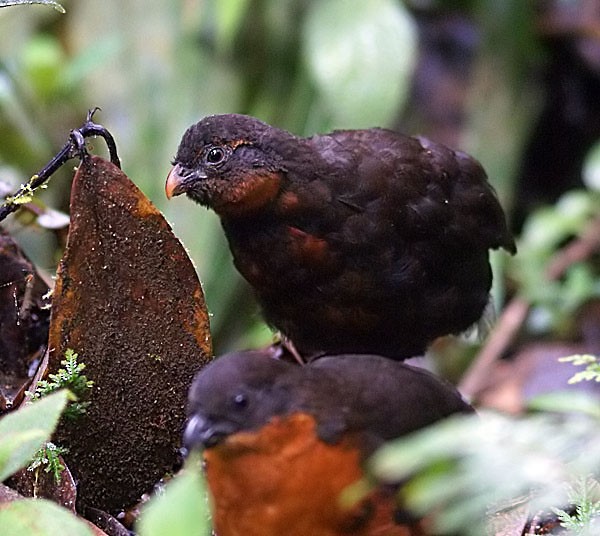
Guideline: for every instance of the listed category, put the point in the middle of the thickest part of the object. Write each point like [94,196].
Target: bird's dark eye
[216,155]
[240,400]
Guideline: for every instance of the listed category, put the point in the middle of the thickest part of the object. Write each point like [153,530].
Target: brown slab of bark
[128,301]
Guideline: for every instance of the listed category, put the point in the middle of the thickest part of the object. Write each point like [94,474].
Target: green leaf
[459,470]
[570,402]
[361,55]
[22,432]
[55,5]
[182,510]
[415,451]
[39,517]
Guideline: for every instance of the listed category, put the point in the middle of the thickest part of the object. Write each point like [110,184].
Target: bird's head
[228,163]
[236,392]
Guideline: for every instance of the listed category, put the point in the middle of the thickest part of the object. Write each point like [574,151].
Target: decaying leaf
[42,484]
[8,494]
[23,321]
[128,301]
[105,522]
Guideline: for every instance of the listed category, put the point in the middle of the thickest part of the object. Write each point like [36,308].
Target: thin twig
[477,377]
[578,250]
[73,148]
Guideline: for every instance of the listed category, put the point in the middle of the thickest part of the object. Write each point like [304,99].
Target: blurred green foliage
[24,431]
[466,468]
[40,517]
[585,521]
[556,301]
[182,510]
[23,437]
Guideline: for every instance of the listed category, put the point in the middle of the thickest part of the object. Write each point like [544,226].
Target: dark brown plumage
[360,241]
[282,442]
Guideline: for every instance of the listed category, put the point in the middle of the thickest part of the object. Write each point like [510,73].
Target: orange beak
[174,184]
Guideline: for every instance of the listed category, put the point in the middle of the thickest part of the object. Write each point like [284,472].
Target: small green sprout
[48,457]
[585,497]
[592,367]
[70,377]
[24,196]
